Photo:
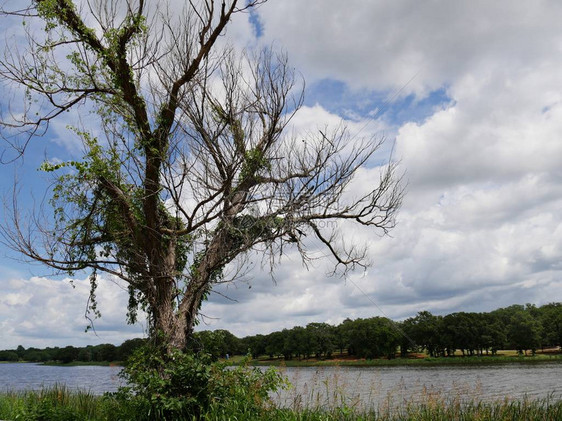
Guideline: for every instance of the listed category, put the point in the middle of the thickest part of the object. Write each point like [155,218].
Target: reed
[61,404]
[58,403]
[431,410]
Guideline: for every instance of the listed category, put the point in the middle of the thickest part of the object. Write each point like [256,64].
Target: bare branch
[187,168]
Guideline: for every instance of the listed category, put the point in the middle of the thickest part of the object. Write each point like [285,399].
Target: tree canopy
[186,166]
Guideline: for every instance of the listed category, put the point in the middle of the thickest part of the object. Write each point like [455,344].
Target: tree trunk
[176,324]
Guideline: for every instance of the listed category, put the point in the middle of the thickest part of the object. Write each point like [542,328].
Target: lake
[25,376]
[330,386]
[393,386]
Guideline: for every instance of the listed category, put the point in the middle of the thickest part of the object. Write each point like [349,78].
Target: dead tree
[186,168]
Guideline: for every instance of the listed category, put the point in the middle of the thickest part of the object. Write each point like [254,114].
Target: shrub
[185,385]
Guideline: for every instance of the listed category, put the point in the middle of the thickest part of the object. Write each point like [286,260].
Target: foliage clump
[182,385]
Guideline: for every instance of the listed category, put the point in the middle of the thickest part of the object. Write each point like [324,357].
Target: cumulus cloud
[500,127]
[380,45]
[480,226]
[44,312]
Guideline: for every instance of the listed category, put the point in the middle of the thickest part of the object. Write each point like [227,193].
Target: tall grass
[441,409]
[333,397]
[432,410]
[60,404]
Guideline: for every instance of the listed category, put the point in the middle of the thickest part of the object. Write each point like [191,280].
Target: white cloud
[499,128]
[380,45]
[44,312]
[480,227]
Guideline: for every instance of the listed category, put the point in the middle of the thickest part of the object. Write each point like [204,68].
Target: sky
[469,95]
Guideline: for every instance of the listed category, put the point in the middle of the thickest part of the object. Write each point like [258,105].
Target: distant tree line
[519,327]
[90,353]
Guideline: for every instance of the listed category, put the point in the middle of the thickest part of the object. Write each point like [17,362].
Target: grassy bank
[60,404]
[424,361]
[335,362]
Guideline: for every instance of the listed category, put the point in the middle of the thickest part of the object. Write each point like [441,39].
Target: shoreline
[338,361]
[413,362]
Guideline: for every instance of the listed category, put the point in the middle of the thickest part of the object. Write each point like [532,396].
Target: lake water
[96,379]
[330,386]
[393,386]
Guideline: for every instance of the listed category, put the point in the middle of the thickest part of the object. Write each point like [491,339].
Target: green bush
[185,385]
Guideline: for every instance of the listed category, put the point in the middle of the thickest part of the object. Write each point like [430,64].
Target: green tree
[504,315]
[373,338]
[20,350]
[494,335]
[105,352]
[524,332]
[300,342]
[128,347]
[407,343]
[550,316]
[186,169]
[217,343]
[461,330]
[8,356]
[290,344]
[48,354]
[427,332]
[67,354]
[85,354]
[321,338]
[255,345]
[274,344]
[341,335]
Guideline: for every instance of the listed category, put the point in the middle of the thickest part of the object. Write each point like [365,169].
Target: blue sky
[469,94]
[389,106]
